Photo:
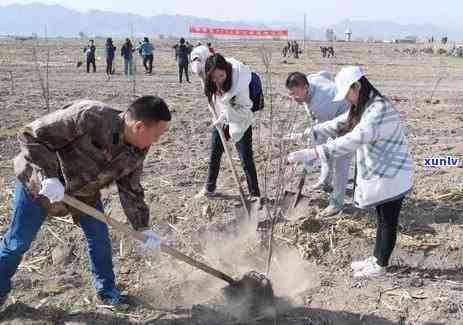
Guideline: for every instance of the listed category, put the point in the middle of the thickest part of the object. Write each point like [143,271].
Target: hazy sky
[322,12]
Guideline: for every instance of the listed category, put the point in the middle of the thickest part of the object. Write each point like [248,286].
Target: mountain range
[60,21]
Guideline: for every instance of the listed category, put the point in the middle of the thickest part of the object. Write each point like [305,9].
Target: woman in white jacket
[384,166]
[226,85]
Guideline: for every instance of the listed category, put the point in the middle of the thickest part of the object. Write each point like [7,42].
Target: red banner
[239,32]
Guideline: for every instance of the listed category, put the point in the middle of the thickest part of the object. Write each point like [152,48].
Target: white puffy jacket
[235,105]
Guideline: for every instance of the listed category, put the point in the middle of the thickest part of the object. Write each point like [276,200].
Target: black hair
[209,44]
[182,41]
[146,39]
[296,79]
[149,109]
[367,92]
[217,61]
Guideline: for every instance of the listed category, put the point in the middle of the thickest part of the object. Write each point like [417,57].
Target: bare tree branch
[44,82]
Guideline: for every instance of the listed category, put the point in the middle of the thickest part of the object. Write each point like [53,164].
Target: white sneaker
[205,194]
[319,185]
[372,270]
[359,265]
[331,210]
[253,198]
[323,186]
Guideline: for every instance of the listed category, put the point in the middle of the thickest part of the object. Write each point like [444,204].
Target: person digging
[227,88]
[384,166]
[78,150]
[316,93]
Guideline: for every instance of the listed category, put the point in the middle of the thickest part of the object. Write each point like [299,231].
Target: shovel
[300,186]
[245,202]
[253,288]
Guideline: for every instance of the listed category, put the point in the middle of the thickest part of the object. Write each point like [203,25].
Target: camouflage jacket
[82,145]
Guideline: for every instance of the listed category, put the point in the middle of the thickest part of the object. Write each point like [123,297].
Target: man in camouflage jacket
[79,150]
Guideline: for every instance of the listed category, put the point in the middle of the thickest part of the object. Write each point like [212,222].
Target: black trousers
[386,231]
[244,147]
[181,68]
[148,63]
[91,61]
[109,66]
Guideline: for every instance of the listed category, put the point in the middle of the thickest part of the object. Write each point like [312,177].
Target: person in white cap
[316,92]
[384,165]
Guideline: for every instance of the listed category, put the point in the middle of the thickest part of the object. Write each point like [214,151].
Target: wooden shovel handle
[91,211]
[300,186]
[230,161]
[123,228]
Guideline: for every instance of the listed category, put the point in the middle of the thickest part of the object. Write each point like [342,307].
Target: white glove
[153,242]
[52,189]
[307,156]
[220,122]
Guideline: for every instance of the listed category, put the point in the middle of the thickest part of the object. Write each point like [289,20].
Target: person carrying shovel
[78,150]
[226,86]
[384,166]
[316,92]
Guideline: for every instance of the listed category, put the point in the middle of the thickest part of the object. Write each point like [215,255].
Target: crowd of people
[145,50]
[291,49]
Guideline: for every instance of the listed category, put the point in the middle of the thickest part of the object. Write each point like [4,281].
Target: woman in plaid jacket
[384,166]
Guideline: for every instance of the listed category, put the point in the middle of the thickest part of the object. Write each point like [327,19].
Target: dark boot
[112,297]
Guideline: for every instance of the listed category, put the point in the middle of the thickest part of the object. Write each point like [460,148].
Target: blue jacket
[182,54]
[126,52]
[110,50]
[146,48]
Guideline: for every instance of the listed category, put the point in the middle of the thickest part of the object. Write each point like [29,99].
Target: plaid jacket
[385,167]
[82,145]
